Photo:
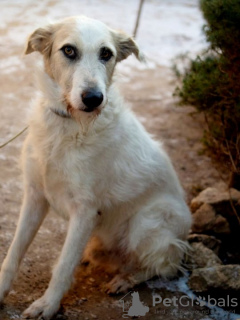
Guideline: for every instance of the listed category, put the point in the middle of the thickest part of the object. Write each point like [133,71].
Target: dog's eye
[105,54]
[69,52]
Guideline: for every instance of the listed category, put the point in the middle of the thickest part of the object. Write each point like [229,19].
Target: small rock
[214,197]
[205,219]
[210,242]
[201,257]
[225,277]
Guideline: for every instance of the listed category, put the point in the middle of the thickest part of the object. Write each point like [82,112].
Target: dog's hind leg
[81,224]
[165,263]
[34,209]
[157,236]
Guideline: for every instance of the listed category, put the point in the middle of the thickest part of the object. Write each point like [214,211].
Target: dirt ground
[149,92]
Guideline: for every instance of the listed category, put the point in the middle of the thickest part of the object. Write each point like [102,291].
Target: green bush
[212,82]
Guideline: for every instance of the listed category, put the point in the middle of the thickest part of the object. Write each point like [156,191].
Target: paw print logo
[201,301]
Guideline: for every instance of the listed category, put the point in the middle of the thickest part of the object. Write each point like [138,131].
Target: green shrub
[212,82]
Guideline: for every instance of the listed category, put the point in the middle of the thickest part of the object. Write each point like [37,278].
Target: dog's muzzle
[91,99]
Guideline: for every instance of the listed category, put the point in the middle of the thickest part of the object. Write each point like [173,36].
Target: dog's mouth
[93,108]
[86,119]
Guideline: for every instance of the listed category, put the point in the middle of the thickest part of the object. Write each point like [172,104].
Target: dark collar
[61,113]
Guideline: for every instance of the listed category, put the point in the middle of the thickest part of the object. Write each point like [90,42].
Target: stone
[215,197]
[210,242]
[220,277]
[201,257]
[205,219]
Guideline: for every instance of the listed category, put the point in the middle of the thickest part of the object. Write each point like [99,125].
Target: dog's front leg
[80,227]
[34,209]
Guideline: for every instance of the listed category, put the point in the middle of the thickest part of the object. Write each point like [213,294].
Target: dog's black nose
[92,99]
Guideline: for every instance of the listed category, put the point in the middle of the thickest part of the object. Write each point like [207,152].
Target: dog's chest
[98,173]
[69,176]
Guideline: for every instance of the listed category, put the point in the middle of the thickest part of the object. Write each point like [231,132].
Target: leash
[15,137]
[138,18]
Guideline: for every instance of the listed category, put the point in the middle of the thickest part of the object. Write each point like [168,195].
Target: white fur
[99,162]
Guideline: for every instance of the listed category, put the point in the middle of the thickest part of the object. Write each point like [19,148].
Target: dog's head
[80,55]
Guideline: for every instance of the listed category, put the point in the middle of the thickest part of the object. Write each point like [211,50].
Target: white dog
[88,157]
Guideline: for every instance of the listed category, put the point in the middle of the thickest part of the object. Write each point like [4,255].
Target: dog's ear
[125,46]
[40,40]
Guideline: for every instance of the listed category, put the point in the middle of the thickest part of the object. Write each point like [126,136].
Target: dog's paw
[42,309]
[118,284]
